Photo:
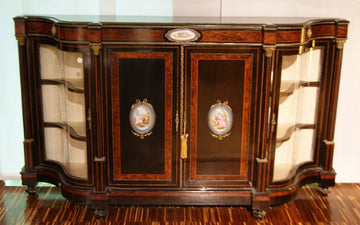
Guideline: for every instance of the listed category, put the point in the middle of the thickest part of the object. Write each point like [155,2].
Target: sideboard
[179,111]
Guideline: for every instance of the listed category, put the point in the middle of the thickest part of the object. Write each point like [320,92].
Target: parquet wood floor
[341,206]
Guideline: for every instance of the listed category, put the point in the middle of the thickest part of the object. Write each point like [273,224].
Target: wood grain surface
[341,206]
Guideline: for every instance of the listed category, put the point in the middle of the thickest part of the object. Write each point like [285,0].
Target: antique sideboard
[179,111]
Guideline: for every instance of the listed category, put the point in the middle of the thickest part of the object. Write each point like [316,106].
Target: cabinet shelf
[285,131]
[72,85]
[75,130]
[288,88]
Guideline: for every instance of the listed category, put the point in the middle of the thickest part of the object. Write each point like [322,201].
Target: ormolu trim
[21,40]
[96,48]
[340,43]
[269,50]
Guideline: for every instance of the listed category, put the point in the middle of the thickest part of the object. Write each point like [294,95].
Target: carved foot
[31,190]
[100,214]
[258,214]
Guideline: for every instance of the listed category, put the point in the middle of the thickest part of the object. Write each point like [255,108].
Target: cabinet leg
[323,191]
[31,190]
[258,214]
[100,213]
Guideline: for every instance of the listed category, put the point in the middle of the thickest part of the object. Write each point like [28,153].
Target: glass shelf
[62,105]
[75,130]
[285,131]
[73,85]
[288,88]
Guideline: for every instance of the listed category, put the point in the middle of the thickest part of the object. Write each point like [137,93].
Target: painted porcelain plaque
[182,35]
[142,118]
[220,120]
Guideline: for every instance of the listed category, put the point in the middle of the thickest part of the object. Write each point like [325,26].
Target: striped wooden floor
[342,206]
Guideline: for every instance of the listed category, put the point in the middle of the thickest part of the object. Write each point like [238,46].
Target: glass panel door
[298,97]
[63,99]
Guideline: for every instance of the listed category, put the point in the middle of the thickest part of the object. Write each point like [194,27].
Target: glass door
[298,83]
[64,111]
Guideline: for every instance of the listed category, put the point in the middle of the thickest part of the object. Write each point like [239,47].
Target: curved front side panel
[300,84]
[64,108]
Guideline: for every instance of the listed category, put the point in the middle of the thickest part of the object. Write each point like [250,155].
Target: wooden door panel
[143,98]
[219,110]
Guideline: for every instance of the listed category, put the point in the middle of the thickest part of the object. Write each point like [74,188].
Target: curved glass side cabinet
[297,111]
[64,111]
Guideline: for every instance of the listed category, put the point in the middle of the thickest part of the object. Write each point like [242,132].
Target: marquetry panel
[146,80]
[219,76]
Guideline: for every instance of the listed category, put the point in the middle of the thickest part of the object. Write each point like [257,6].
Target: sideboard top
[163,20]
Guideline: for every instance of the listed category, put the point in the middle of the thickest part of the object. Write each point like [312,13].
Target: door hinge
[101,159]
[89,118]
[273,122]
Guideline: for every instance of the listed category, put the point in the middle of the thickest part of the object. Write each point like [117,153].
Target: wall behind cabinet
[347,150]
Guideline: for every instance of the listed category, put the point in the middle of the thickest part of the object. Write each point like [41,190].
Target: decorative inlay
[182,35]
[220,119]
[142,118]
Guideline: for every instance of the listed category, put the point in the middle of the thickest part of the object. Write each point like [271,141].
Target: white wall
[347,152]
[11,132]
[144,7]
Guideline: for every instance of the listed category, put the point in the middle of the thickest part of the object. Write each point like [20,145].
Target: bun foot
[258,214]
[31,190]
[100,214]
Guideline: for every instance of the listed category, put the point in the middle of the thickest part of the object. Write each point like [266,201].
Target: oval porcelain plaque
[220,120]
[142,118]
[182,35]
